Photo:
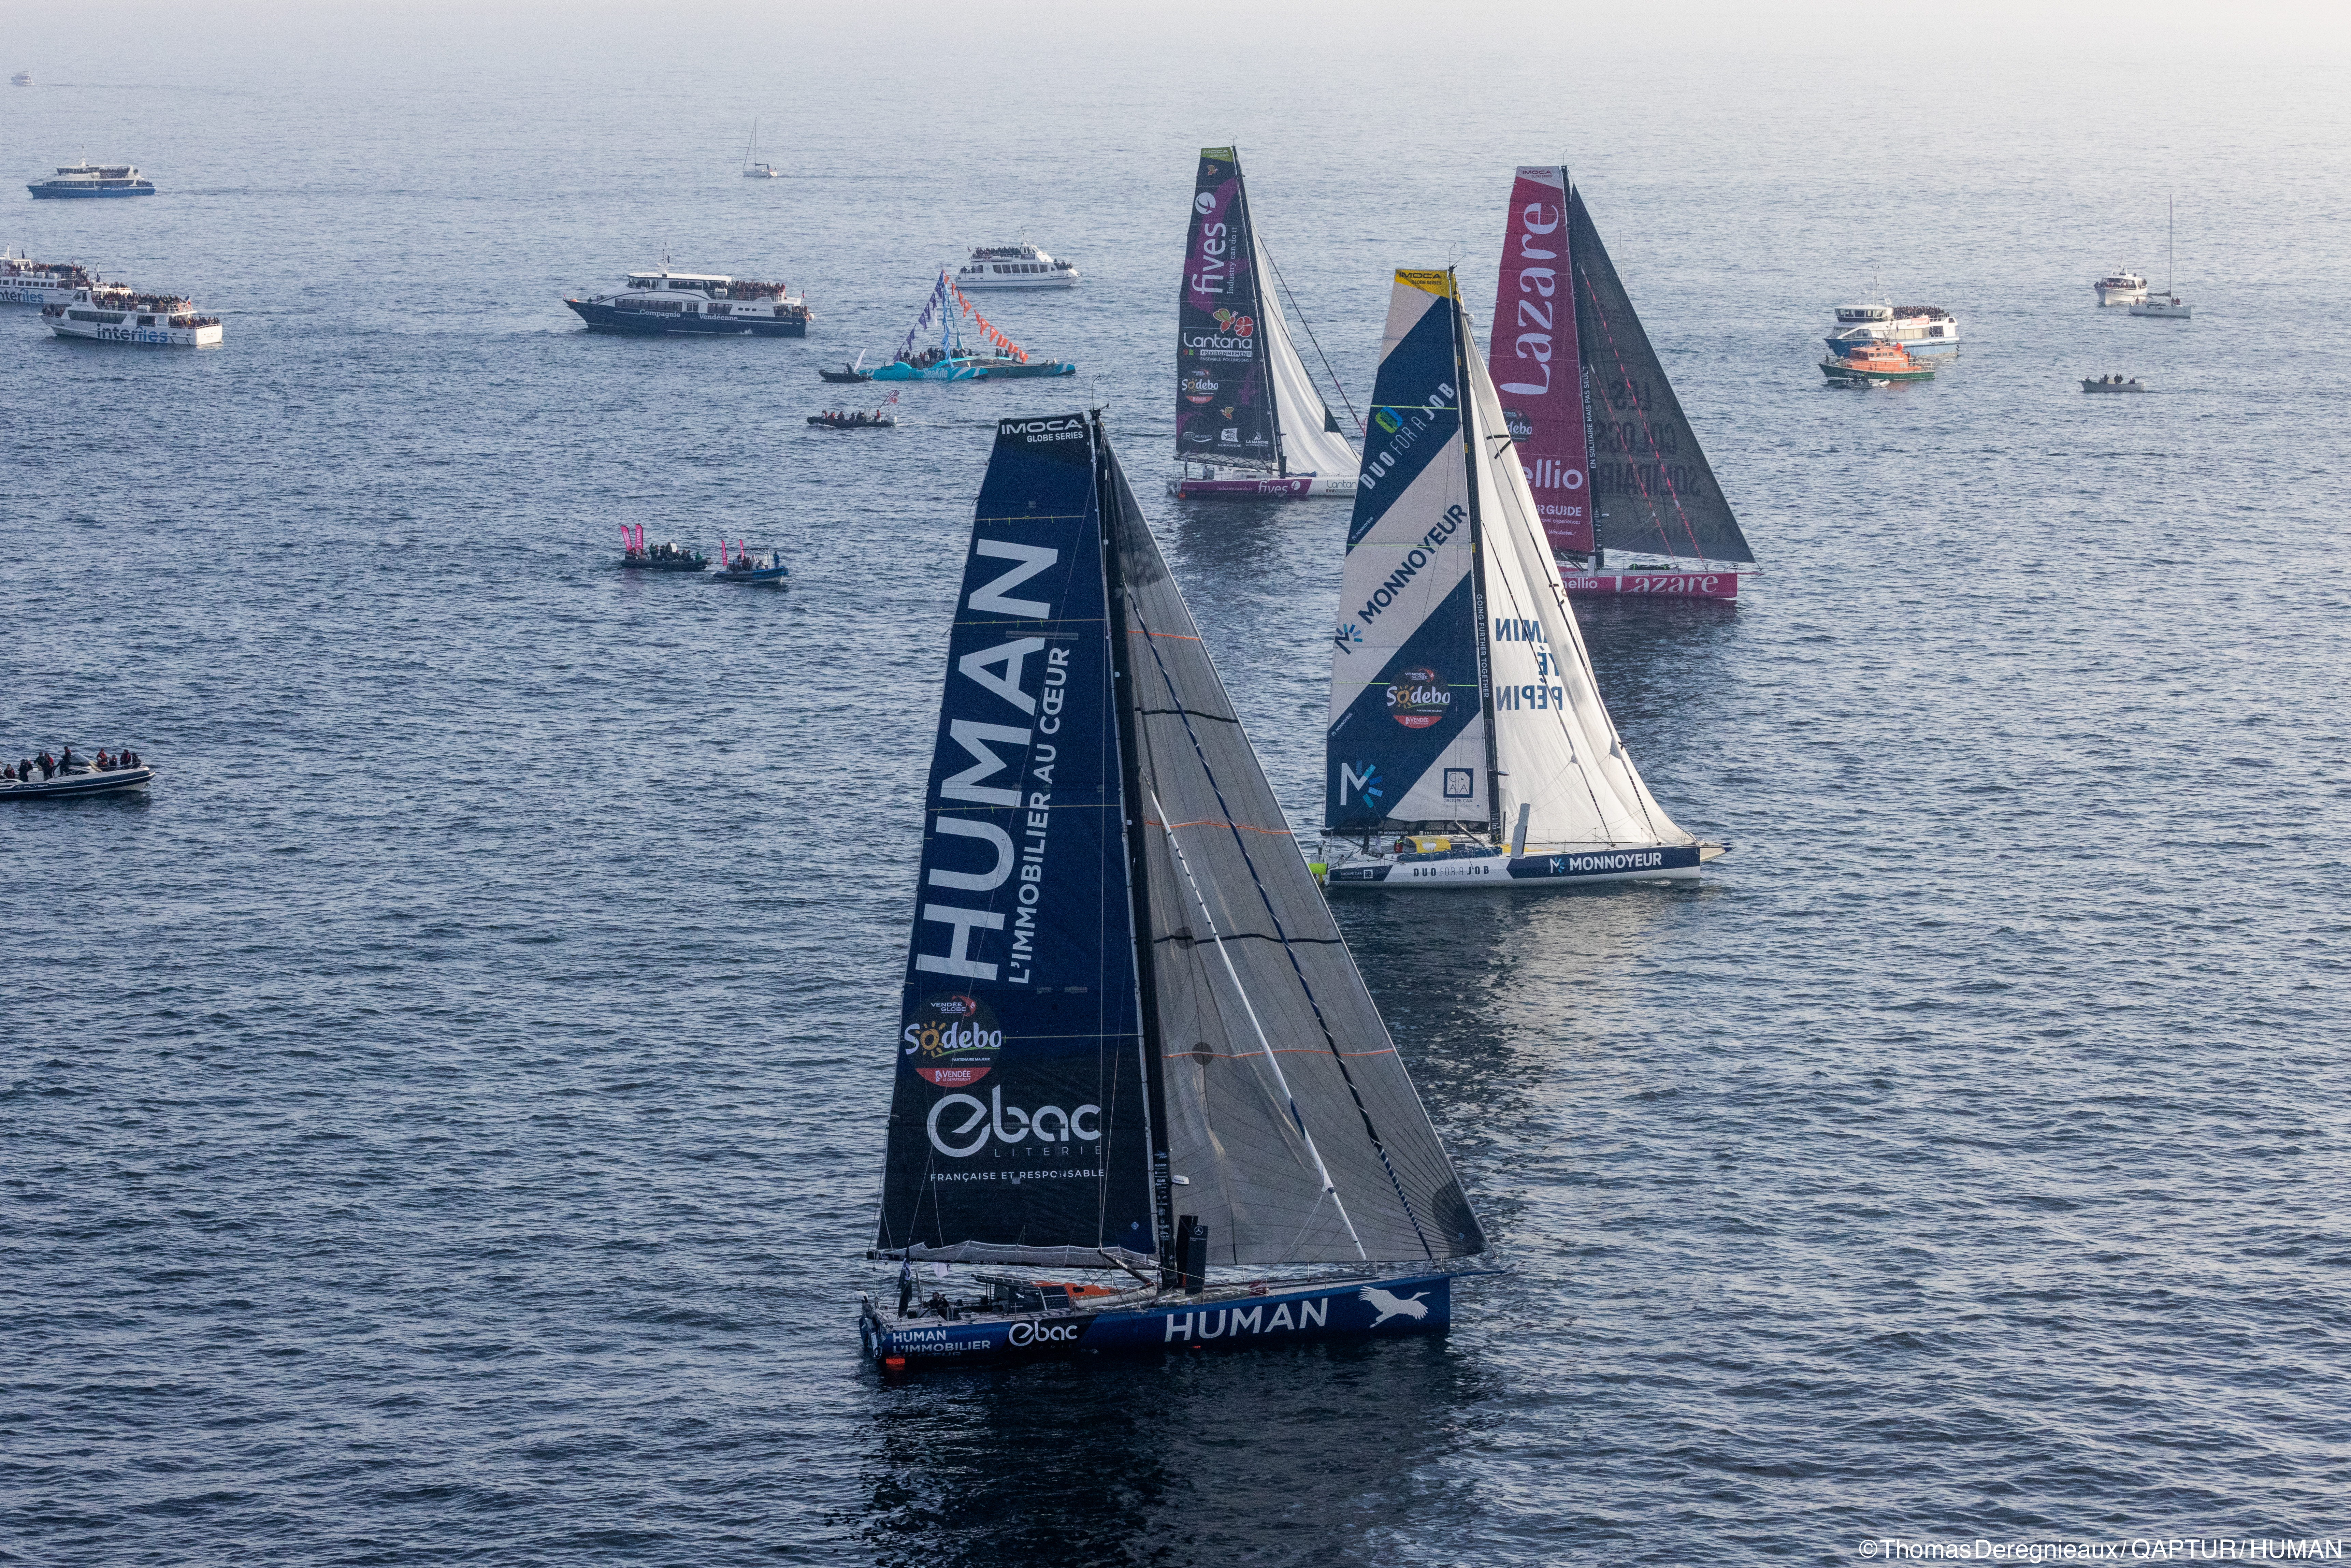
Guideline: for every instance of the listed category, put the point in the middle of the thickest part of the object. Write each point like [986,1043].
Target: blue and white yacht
[94,180]
[705,302]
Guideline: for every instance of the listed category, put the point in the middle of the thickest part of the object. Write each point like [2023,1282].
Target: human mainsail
[1248,418]
[1466,722]
[1018,1126]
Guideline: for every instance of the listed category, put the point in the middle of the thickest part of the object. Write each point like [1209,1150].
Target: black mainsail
[1128,1013]
[1651,484]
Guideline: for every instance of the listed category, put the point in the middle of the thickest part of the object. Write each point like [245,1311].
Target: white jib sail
[1307,447]
[1555,748]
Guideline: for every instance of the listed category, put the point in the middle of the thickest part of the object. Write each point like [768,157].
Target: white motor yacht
[2120,287]
[1021,266]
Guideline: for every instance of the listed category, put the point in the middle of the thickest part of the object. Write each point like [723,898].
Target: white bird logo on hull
[1390,1306]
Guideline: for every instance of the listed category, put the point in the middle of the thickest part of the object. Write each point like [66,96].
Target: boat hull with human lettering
[1144,1322]
[80,780]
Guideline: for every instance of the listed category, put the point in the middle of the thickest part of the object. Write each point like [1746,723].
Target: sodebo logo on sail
[986,1121]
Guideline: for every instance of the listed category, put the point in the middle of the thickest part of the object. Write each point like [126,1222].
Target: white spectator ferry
[24,281]
[95,179]
[705,302]
[109,314]
[1916,327]
[1021,266]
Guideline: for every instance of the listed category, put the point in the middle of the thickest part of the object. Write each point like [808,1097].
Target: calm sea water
[442,1122]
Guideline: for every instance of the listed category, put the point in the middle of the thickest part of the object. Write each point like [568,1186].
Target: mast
[1138,876]
[1248,227]
[1469,456]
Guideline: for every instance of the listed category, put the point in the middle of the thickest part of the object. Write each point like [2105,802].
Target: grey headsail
[1292,1130]
[1019,1131]
[1651,484]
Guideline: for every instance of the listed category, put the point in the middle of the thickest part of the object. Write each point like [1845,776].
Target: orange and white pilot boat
[1871,363]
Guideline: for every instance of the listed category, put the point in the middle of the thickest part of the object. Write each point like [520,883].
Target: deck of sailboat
[1144,1320]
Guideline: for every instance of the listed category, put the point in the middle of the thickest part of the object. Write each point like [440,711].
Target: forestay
[1275,1065]
[1407,740]
[1651,484]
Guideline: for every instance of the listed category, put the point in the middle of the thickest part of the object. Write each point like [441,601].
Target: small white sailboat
[2168,304]
[1468,746]
[1148,1056]
[752,168]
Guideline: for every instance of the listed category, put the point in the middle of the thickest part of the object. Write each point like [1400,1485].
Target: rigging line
[1647,427]
[1266,898]
[1302,321]
[1265,1045]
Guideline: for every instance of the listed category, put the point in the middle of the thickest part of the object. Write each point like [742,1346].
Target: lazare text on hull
[1468,746]
[1140,1090]
[1620,483]
[1249,421]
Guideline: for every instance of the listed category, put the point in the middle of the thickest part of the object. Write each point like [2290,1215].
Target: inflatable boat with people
[47,778]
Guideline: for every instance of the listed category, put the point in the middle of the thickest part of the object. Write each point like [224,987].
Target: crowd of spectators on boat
[744,288]
[49,766]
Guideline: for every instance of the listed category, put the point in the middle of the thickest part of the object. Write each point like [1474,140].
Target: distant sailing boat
[2168,304]
[1611,439]
[1468,746]
[1248,419]
[752,168]
[1132,1039]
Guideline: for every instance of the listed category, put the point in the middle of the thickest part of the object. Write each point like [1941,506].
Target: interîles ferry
[706,302]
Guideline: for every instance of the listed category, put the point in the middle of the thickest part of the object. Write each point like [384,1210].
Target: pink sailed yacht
[1627,496]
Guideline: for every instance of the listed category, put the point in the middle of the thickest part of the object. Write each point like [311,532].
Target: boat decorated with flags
[1468,746]
[707,303]
[24,281]
[1249,421]
[1630,504]
[1140,1092]
[949,358]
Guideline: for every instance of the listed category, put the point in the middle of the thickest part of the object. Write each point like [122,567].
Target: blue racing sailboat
[1132,1042]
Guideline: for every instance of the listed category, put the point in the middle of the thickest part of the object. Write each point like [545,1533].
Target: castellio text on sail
[1468,746]
[1612,461]
[1249,420]
[1133,1049]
